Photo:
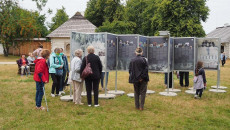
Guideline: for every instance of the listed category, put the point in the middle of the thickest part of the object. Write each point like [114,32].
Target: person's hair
[30,53]
[56,49]
[61,49]
[45,53]
[78,52]
[199,65]
[139,51]
[90,49]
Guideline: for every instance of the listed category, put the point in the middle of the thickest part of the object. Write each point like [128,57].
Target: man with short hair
[138,76]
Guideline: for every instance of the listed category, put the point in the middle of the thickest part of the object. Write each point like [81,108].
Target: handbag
[59,72]
[87,70]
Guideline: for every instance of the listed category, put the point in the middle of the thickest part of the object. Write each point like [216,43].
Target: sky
[218,16]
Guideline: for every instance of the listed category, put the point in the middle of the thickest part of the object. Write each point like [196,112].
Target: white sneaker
[196,96]
[61,92]
[96,105]
[89,105]
[52,95]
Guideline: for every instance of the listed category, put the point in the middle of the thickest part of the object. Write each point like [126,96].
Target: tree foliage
[18,23]
[99,11]
[59,18]
[180,17]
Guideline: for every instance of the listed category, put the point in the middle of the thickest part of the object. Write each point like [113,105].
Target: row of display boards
[116,51]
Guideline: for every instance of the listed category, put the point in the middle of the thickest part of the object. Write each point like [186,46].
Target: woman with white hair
[75,76]
[93,80]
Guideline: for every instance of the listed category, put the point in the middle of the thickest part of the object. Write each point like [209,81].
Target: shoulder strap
[86,60]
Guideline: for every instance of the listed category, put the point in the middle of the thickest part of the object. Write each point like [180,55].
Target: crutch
[45,99]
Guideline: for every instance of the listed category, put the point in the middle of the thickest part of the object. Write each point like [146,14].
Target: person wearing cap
[138,76]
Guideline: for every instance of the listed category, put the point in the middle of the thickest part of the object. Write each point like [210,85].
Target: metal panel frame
[194,62]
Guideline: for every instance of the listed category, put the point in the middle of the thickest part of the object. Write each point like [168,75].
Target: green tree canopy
[181,17]
[59,18]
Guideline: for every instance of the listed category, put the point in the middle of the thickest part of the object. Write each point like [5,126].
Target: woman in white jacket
[76,78]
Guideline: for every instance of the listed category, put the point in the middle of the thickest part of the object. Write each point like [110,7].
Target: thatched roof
[77,23]
[221,32]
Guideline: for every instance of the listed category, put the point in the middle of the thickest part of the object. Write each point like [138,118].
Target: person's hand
[140,80]
[60,67]
[205,84]
[45,81]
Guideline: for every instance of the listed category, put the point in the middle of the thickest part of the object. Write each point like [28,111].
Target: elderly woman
[56,63]
[24,64]
[93,80]
[76,78]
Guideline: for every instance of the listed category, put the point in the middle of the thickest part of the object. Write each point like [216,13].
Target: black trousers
[223,62]
[170,79]
[56,83]
[199,92]
[140,89]
[92,85]
[182,76]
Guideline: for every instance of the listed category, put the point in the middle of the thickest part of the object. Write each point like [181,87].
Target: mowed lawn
[17,106]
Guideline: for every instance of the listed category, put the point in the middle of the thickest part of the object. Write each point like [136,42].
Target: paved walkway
[7,63]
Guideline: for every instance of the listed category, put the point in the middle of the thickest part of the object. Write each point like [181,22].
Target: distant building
[224,34]
[61,36]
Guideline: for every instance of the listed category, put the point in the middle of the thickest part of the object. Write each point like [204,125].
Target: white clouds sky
[219,10]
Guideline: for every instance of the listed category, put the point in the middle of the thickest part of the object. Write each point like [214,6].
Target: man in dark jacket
[138,76]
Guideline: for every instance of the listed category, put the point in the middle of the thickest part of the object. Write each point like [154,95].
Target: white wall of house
[1,49]
[60,43]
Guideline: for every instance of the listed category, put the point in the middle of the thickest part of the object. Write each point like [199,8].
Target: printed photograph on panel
[126,50]
[208,52]
[184,54]
[158,54]
[78,41]
[98,42]
[143,43]
[111,51]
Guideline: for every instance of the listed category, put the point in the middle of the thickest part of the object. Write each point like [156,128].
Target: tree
[99,11]
[117,27]
[181,17]
[59,18]
[17,23]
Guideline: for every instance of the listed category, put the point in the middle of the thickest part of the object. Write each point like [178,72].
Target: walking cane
[45,99]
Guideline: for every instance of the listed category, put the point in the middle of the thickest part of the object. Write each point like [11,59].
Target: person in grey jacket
[76,78]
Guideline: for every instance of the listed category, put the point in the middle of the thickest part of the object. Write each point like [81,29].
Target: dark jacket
[66,64]
[95,64]
[20,62]
[138,69]
[201,72]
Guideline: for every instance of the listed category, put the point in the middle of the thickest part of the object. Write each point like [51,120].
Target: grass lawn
[17,106]
[10,58]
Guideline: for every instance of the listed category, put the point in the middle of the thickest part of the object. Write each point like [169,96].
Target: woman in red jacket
[41,76]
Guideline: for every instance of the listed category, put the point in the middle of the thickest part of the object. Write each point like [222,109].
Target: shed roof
[77,23]
[222,32]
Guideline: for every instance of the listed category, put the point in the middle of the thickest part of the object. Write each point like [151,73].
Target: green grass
[17,106]
[10,58]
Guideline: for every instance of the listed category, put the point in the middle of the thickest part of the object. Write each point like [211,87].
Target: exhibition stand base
[118,92]
[220,87]
[85,94]
[217,91]
[107,96]
[150,92]
[168,94]
[191,92]
[173,90]
[131,95]
[67,98]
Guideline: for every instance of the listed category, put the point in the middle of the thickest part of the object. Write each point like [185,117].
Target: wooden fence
[28,46]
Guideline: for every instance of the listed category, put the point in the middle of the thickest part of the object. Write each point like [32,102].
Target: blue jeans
[102,79]
[39,93]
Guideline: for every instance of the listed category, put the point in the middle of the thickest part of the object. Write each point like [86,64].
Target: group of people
[56,64]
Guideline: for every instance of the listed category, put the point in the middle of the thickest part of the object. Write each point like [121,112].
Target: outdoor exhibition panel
[111,51]
[184,54]
[127,45]
[158,54]
[208,52]
[143,43]
[82,41]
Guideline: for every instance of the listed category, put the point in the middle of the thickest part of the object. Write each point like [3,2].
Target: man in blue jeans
[65,71]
